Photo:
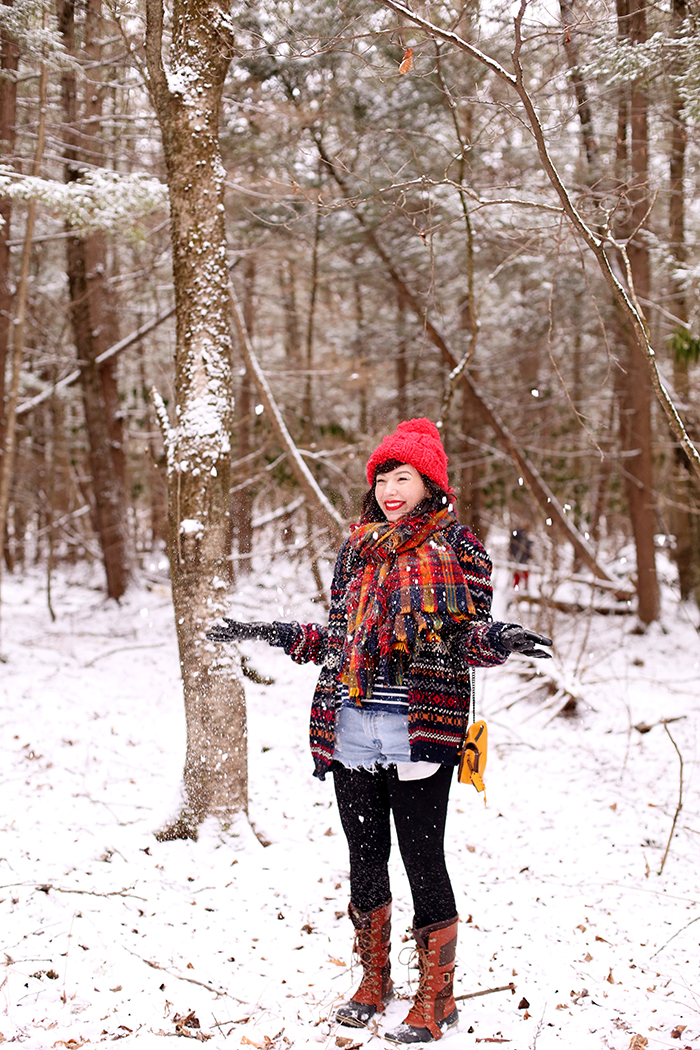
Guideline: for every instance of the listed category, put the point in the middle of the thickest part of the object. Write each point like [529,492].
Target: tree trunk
[401,360]
[9,64]
[636,389]
[92,317]
[242,500]
[187,104]
[684,517]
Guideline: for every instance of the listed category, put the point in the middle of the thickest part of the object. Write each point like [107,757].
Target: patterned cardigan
[437,676]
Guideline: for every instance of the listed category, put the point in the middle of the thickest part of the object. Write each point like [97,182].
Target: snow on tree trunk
[187,100]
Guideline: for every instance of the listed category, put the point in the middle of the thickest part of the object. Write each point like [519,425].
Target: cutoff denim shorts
[364,739]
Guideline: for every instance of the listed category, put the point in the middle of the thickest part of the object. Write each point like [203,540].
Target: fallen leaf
[245,1041]
[337,962]
[587,957]
[407,60]
[638,1042]
[523,1004]
[610,979]
[526,1015]
[581,927]
[678,1031]
[602,939]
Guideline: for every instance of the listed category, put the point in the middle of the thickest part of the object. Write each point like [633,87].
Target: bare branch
[624,296]
[300,469]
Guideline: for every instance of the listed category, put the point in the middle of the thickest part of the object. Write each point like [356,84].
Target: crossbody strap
[472,695]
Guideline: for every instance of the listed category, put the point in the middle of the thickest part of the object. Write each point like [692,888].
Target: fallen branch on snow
[487,991]
[180,977]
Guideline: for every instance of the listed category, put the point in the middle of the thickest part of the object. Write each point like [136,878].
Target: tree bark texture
[91,313]
[635,389]
[684,515]
[187,102]
[9,64]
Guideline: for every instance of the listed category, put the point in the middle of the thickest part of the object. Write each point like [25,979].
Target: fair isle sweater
[437,676]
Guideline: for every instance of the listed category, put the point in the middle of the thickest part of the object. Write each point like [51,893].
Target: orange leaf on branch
[407,60]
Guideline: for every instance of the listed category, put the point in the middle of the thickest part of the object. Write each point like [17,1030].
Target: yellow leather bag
[472,758]
[472,761]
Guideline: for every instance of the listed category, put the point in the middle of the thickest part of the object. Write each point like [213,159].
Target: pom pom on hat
[416,442]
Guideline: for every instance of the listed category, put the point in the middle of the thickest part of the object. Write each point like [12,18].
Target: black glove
[238,632]
[518,640]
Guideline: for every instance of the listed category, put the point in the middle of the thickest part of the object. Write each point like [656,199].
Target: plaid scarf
[411,585]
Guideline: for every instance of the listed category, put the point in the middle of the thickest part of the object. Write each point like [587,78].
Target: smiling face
[399,491]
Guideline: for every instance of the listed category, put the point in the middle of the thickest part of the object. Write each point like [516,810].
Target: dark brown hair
[436,499]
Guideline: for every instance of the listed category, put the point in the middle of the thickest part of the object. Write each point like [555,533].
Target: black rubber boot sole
[356,1015]
[406,1033]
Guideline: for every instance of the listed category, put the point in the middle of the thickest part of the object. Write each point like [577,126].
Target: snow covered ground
[107,934]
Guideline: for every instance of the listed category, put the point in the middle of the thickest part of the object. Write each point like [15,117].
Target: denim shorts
[364,739]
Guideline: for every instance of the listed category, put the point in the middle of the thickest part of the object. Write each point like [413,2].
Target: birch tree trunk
[187,102]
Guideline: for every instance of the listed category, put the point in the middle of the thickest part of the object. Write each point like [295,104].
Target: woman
[409,614]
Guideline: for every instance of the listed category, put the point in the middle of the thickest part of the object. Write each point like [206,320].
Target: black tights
[365,799]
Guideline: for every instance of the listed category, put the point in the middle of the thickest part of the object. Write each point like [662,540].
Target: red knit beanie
[416,442]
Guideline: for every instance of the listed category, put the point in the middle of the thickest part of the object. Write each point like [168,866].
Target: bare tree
[9,64]
[635,381]
[187,102]
[92,316]
[604,248]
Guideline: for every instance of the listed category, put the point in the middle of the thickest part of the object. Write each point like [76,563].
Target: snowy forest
[239,243]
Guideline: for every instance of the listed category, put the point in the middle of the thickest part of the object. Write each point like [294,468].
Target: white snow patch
[556,877]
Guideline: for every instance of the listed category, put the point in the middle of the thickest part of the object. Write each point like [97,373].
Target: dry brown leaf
[337,962]
[638,1042]
[245,1041]
[407,60]
[610,979]
[678,1031]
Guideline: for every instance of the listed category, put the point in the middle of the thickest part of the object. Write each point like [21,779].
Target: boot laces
[422,996]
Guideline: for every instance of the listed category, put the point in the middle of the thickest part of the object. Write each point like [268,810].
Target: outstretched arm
[482,642]
[305,643]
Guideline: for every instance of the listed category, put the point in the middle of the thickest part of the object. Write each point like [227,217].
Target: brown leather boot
[372,937]
[434,1009]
